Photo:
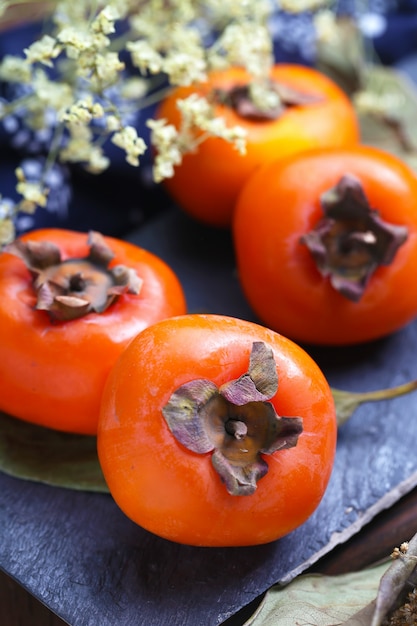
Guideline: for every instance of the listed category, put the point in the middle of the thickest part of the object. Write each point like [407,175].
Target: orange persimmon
[215,431]
[326,245]
[60,333]
[313,111]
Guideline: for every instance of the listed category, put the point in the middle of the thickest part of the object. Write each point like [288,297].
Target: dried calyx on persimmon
[71,288]
[351,241]
[239,99]
[236,421]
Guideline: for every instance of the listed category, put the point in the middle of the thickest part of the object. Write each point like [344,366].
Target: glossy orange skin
[53,374]
[279,204]
[208,181]
[175,493]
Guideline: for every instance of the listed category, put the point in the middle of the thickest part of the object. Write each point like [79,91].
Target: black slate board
[80,555]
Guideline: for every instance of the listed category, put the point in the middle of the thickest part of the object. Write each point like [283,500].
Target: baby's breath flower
[7,231]
[197,112]
[7,207]
[81,149]
[76,41]
[263,95]
[51,93]
[97,160]
[299,6]
[107,67]
[326,29]
[104,22]
[163,166]
[225,11]
[184,69]
[143,25]
[46,101]
[247,44]
[164,134]
[14,69]
[90,100]
[82,112]
[134,88]
[176,51]
[145,57]
[156,24]
[128,140]
[185,60]
[167,141]
[78,146]
[43,51]
[69,12]
[198,123]
[34,194]
[113,123]
[237,136]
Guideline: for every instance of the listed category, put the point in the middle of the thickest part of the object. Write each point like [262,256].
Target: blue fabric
[124,197]
[399,40]
[113,203]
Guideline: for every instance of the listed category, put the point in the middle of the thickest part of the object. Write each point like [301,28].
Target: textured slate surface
[81,556]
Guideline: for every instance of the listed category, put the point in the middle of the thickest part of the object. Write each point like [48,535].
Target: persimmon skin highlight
[175,493]
[207,182]
[280,203]
[53,373]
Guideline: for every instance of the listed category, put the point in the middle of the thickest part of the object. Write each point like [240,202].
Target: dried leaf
[362,598]
[341,55]
[394,582]
[387,112]
[348,401]
[392,590]
[385,98]
[362,617]
[319,600]
[40,454]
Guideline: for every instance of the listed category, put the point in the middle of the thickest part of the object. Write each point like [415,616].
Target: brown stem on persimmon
[239,98]
[72,288]
[351,241]
[235,422]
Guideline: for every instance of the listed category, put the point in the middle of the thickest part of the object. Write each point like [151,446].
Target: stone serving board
[80,555]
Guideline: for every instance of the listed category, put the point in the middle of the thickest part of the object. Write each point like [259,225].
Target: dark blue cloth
[113,203]
[124,197]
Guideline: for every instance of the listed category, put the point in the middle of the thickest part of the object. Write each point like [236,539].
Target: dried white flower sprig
[74,82]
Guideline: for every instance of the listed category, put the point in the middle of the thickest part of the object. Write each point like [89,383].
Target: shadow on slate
[203,259]
[81,556]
